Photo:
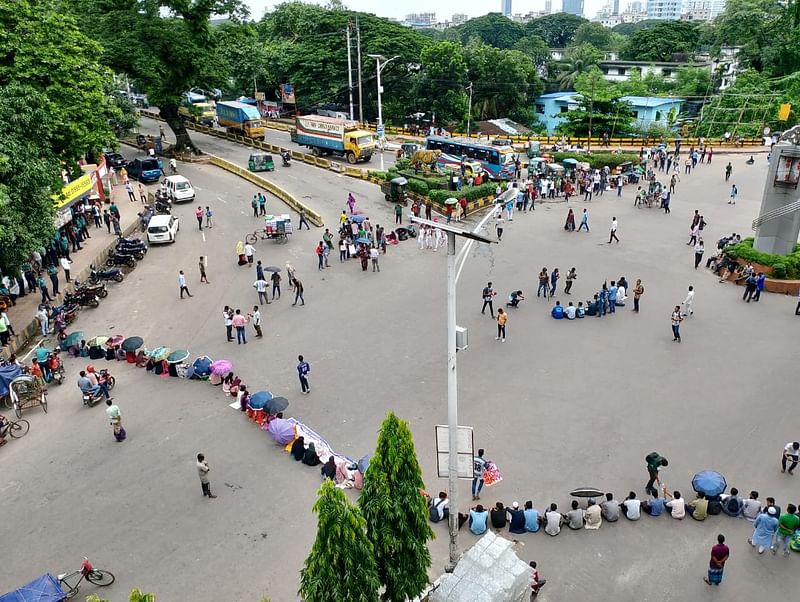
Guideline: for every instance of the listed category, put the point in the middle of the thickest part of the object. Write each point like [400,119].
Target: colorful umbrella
[132,343]
[157,354]
[363,241]
[281,430]
[115,341]
[177,356]
[272,268]
[221,367]
[276,404]
[73,338]
[97,341]
[259,399]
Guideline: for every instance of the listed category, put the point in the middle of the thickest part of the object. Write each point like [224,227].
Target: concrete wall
[779,235]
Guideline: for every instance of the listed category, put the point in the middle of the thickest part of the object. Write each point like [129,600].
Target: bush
[779,271]
[418,186]
[381,175]
[471,193]
[599,160]
[782,266]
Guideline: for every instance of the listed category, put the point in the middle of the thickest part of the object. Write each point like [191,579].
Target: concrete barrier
[311,215]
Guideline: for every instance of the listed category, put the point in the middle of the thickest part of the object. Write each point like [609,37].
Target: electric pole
[349,68]
[469,108]
[358,51]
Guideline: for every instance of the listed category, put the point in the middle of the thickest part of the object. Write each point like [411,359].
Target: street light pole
[380,64]
[469,108]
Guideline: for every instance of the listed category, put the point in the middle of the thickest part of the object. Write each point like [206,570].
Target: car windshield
[149,164]
[182,186]
[157,229]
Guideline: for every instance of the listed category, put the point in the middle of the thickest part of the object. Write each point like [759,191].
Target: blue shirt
[477,522]
[303,368]
[558,312]
[656,506]
[41,354]
[531,520]
[761,281]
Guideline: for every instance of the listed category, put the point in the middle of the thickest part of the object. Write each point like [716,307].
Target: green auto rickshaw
[261,162]
[395,191]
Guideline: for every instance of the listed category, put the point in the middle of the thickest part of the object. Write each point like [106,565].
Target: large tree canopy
[557,30]
[493,29]
[661,41]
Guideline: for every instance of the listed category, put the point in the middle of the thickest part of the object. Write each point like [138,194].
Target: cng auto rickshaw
[395,191]
[260,162]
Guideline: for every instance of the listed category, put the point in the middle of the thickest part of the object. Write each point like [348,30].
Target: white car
[179,189]
[162,228]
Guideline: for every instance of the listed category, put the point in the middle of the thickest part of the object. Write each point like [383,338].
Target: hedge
[471,193]
[599,160]
[783,266]
[433,183]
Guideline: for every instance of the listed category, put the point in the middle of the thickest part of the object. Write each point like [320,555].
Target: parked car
[162,228]
[115,160]
[179,189]
[145,169]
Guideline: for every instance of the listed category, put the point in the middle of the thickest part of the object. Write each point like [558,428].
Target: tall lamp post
[380,63]
[453,271]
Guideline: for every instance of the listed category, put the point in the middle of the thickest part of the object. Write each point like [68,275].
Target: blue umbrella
[709,482]
[202,366]
[259,399]
[363,463]
[358,218]
[362,240]
[570,161]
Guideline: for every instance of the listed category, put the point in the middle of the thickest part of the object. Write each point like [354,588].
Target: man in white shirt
[182,284]
[676,505]
[249,251]
[255,319]
[374,255]
[613,235]
[570,311]
[621,296]
[687,303]
[631,507]
[751,507]
[791,453]
[440,507]
[65,265]
[261,289]
[552,521]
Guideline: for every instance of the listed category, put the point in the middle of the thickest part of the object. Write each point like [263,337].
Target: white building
[664,9]
[459,19]
[421,20]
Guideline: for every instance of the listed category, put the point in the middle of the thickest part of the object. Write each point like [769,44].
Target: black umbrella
[276,404]
[586,492]
[132,343]
[272,268]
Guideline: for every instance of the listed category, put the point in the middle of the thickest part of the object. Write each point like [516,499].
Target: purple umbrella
[281,430]
[221,367]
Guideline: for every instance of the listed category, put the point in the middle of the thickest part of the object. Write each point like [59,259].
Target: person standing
[761,282]
[543,283]
[43,289]
[202,471]
[198,214]
[249,253]
[303,368]
[276,284]
[584,221]
[502,318]
[699,249]
[298,292]
[182,284]
[240,322]
[255,317]
[688,302]
[488,297]
[202,264]
[52,271]
[254,205]
[115,419]
[209,217]
[791,453]
[142,194]
[161,133]
[554,276]
[728,171]
[227,318]
[613,235]
[572,275]
[374,256]
[398,214]
[478,471]
[638,291]
[734,194]
[499,226]
[788,523]
[129,190]
[262,204]
[719,556]
[764,529]
[261,289]
[65,265]
[44,320]
[676,323]
[750,286]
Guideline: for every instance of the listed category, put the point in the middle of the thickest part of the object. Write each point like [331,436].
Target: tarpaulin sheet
[42,589]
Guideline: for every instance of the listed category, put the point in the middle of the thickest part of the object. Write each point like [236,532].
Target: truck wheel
[315,152]
[351,158]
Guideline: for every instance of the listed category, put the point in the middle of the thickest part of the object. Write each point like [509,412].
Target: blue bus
[496,161]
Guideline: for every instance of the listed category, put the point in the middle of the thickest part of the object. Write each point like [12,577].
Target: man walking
[239,322]
[699,249]
[761,282]
[115,419]
[198,215]
[488,296]
[249,252]
[728,171]
[276,284]
[788,522]
[303,368]
[584,221]
[676,323]
[719,556]
[750,286]
[209,217]
[543,283]
[791,453]
[65,265]
[687,303]
[202,471]
[261,289]
[654,462]
[202,264]
[478,470]
[303,221]
[502,318]
[255,317]
[298,292]
[182,284]
[613,235]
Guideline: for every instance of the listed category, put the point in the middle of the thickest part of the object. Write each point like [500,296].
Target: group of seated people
[528,519]
[605,301]
[345,474]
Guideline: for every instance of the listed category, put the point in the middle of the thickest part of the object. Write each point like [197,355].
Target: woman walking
[502,317]
[569,226]
[676,323]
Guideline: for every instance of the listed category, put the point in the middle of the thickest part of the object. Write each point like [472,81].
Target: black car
[115,160]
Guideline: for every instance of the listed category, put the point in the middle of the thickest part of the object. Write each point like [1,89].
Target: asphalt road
[559,405]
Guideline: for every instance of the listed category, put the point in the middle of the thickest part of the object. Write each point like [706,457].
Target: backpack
[653,458]
[433,511]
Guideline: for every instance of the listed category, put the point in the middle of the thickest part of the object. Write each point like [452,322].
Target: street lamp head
[455,230]
[377,57]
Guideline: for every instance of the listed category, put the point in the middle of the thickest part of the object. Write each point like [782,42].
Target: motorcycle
[86,288]
[56,368]
[82,298]
[132,244]
[96,276]
[115,258]
[286,158]
[64,314]
[92,399]
[138,255]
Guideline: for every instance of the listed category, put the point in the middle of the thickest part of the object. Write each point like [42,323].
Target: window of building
[540,109]
[658,115]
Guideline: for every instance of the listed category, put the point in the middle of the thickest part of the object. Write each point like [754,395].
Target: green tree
[44,49]
[493,29]
[693,82]
[442,81]
[167,46]
[595,34]
[535,49]
[557,30]
[628,29]
[577,60]
[245,55]
[395,512]
[743,109]
[661,41]
[752,24]
[341,565]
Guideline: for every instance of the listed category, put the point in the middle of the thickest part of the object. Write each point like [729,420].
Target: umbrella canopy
[358,218]
[115,341]
[451,201]
[363,241]
[363,463]
[259,399]
[569,161]
[179,355]
[202,366]
[158,354]
[276,404]
[272,268]
[221,367]
[281,430]
[132,343]
[586,492]
[73,338]
[97,341]
[709,482]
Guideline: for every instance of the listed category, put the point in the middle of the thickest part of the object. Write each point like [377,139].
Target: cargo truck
[240,118]
[331,136]
[198,112]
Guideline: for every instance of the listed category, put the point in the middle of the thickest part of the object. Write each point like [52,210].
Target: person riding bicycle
[4,426]
[86,386]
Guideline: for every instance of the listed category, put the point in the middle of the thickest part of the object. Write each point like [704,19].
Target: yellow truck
[332,136]
[240,118]
[198,112]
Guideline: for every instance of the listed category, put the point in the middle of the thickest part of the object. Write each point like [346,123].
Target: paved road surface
[559,405]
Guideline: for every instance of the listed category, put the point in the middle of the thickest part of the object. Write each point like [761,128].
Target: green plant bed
[599,160]
[784,267]
[472,193]
[432,182]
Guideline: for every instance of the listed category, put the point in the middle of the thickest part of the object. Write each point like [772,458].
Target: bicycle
[18,428]
[87,571]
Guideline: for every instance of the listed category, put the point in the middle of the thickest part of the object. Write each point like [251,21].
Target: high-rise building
[459,18]
[548,6]
[574,7]
[664,9]
[716,8]
[635,7]
[505,8]
[615,10]
[421,20]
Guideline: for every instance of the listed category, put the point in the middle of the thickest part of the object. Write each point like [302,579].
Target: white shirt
[569,311]
[440,506]
[65,263]
[620,294]
[249,250]
[552,522]
[633,509]
[789,449]
[678,507]
[373,253]
[689,298]
[260,286]
[227,318]
[256,318]
[613,225]
[181,280]
[698,248]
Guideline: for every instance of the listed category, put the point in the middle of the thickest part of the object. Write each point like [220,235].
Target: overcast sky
[444,8]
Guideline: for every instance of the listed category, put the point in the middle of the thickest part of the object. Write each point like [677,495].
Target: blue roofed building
[646,109]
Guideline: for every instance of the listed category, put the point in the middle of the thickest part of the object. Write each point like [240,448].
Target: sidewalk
[24,311]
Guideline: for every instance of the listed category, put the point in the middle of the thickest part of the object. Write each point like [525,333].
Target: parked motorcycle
[64,313]
[96,289]
[115,258]
[96,276]
[131,244]
[138,255]
[82,298]
[162,202]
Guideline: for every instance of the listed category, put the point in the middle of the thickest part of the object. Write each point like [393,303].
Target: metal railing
[776,213]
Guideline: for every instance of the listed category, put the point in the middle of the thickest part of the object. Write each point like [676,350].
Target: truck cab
[198,112]
[359,144]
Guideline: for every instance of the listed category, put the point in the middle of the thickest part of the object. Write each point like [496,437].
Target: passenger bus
[497,162]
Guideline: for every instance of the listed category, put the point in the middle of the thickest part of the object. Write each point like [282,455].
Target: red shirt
[719,554]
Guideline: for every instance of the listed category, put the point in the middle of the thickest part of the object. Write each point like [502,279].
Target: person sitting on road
[498,516]
[732,504]
[571,312]
[631,507]
[478,518]
[516,519]
[310,458]
[514,297]
[593,515]
[676,504]
[751,507]
[531,517]
[4,425]
[575,517]
[558,311]
[655,506]
[439,508]
[580,311]
[85,385]
[552,521]
[592,307]
[698,508]
[610,508]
